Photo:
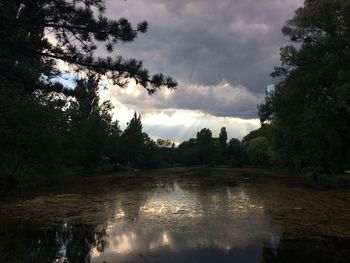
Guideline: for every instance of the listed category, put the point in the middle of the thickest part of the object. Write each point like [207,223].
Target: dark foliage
[46,127]
[36,34]
[310,109]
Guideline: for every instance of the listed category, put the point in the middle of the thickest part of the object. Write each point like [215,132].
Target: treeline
[208,150]
[306,119]
[55,136]
[52,133]
[46,127]
[48,130]
[205,149]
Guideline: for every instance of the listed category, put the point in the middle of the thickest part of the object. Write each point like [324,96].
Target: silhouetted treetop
[36,34]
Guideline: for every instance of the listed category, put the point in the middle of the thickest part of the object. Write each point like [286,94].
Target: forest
[49,131]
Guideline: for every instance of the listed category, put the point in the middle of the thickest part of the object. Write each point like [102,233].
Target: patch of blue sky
[66,79]
[271,88]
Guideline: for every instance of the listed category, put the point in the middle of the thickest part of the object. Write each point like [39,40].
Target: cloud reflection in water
[176,220]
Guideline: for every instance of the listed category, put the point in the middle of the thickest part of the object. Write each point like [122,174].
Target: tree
[152,156]
[35,37]
[134,141]
[114,143]
[257,151]
[223,141]
[29,58]
[236,152]
[310,108]
[205,146]
[164,143]
[187,152]
[32,139]
[91,124]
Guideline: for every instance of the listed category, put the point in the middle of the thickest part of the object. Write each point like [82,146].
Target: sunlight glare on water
[174,219]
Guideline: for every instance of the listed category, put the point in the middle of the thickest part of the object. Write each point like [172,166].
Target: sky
[220,52]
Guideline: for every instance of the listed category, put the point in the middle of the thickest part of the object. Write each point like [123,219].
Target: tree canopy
[310,108]
[36,34]
[46,127]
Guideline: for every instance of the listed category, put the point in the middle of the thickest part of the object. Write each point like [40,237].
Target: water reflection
[171,207]
[178,221]
[174,220]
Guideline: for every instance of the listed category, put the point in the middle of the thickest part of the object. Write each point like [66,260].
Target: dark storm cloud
[201,43]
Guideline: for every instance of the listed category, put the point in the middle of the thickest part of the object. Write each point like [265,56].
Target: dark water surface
[178,215]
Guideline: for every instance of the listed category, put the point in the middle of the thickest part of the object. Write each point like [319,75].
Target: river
[178,215]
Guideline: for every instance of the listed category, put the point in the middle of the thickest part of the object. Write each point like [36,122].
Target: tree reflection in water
[81,244]
[55,244]
[187,220]
[321,251]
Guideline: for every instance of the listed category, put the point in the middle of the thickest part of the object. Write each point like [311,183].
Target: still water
[178,215]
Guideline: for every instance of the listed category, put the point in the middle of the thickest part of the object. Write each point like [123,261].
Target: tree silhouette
[134,140]
[309,110]
[29,57]
[223,141]
[205,146]
[236,152]
[42,129]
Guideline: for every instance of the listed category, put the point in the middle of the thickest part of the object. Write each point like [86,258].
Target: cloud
[222,99]
[221,52]
[205,41]
[178,116]
[179,125]
[192,122]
